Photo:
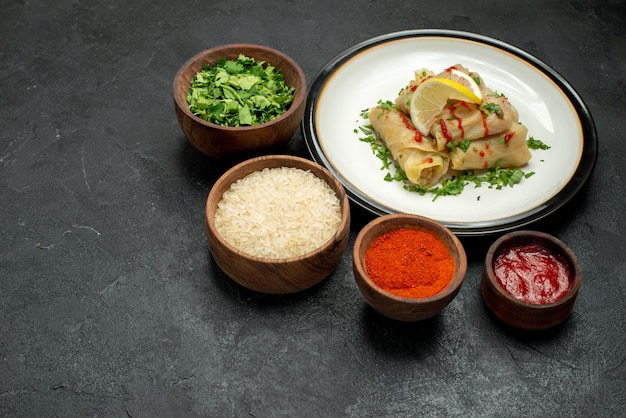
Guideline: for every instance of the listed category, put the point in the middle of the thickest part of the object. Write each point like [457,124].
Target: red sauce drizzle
[418,135]
[465,105]
[532,274]
[414,87]
[508,136]
[485,127]
[459,121]
[444,130]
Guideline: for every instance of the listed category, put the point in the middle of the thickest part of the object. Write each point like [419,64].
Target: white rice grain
[278,213]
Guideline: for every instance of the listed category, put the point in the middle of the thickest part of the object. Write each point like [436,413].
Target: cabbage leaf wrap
[507,149]
[462,120]
[414,153]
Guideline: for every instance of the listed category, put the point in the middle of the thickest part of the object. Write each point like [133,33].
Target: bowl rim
[298,99]
[565,251]
[339,192]
[459,273]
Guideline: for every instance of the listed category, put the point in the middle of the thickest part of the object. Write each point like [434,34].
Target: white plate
[379,68]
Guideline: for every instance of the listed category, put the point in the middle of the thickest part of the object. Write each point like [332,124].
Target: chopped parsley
[536,144]
[490,108]
[378,149]
[464,145]
[239,92]
[495,178]
[496,94]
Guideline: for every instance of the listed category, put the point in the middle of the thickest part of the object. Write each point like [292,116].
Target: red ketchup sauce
[418,137]
[459,121]
[444,130]
[532,274]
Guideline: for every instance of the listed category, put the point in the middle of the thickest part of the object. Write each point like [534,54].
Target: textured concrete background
[110,302]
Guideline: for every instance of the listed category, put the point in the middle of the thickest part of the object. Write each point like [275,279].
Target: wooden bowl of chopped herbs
[277,224]
[239,99]
[408,267]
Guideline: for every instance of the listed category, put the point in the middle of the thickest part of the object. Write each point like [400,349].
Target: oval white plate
[379,68]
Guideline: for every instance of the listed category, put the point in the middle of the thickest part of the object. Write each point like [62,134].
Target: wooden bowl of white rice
[277,224]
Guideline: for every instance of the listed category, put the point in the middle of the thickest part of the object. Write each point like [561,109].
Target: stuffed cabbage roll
[404,97]
[415,154]
[508,149]
[462,120]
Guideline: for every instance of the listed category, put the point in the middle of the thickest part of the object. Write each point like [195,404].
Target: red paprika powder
[409,263]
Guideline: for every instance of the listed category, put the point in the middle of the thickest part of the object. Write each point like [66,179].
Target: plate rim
[581,175]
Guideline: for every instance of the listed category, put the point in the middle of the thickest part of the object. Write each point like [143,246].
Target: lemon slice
[465,80]
[433,94]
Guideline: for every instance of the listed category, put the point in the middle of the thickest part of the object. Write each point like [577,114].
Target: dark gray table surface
[111,304]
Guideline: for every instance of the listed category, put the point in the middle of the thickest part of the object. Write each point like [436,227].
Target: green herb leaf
[493,108]
[465,144]
[387,105]
[536,144]
[496,94]
[239,92]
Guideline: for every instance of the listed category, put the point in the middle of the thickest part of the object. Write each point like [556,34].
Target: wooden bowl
[398,307]
[277,276]
[222,142]
[519,313]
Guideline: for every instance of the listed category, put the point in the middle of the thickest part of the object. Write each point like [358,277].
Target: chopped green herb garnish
[496,94]
[378,149]
[465,144]
[536,144]
[493,108]
[239,92]
[387,105]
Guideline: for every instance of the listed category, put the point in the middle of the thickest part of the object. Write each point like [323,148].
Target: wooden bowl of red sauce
[530,280]
[408,267]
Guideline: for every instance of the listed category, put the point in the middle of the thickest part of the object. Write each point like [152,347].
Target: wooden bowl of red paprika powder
[530,280]
[408,267]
